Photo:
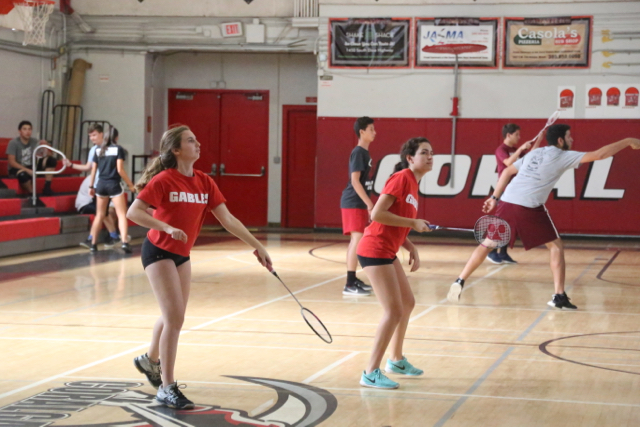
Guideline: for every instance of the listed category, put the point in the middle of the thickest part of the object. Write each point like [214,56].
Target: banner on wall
[475,38]
[369,42]
[566,102]
[561,42]
[612,101]
[578,202]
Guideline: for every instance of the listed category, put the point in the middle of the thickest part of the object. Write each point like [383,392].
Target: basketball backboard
[9,16]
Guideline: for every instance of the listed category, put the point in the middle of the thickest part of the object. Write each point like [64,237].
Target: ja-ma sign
[560,42]
[369,42]
[473,39]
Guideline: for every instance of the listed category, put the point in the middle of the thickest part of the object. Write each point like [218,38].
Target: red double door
[233,130]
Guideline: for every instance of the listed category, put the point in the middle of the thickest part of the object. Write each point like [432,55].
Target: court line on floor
[390,394]
[324,349]
[140,347]
[447,416]
[330,367]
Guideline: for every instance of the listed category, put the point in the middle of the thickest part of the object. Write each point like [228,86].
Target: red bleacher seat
[4,142]
[61,204]
[60,184]
[10,207]
[4,167]
[28,228]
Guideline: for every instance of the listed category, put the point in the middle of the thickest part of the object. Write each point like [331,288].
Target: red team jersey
[182,202]
[384,241]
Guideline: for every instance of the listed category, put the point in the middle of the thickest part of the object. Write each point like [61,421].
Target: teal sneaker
[402,367]
[377,379]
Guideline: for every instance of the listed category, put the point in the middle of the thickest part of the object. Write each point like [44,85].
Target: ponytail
[409,148]
[170,141]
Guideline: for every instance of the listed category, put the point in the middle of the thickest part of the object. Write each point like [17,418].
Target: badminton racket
[309,317]
[552,119]
[490,231]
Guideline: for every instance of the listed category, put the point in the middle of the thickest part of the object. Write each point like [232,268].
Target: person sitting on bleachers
[20,155]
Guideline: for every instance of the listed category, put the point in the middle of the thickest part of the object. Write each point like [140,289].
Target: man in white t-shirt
[523,201]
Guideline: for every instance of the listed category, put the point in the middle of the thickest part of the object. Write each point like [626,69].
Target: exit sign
[232,29]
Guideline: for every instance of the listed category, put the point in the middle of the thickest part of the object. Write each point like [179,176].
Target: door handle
[214,170]
[222,173]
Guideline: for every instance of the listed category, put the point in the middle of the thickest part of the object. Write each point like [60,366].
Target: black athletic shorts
[42,164]
[151,253]
[90,208]
[369,262]
[107,188]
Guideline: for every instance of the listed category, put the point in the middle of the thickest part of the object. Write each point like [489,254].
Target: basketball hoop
[34,14]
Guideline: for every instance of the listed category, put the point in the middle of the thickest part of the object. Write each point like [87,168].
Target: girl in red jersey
[181,196]
[393,216]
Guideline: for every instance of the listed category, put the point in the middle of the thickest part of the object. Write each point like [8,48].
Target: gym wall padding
[477,138]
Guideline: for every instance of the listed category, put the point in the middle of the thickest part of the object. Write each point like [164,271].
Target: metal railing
[66,127]
[47,105]
[45,172]
[145,159]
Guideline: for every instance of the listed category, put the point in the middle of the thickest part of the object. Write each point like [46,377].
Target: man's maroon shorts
[533,225]
[354,220]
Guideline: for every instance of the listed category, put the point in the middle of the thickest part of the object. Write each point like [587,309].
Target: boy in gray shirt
[523,203]
[20,155]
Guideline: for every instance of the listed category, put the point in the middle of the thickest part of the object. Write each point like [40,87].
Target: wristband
[91,187]
[497,199]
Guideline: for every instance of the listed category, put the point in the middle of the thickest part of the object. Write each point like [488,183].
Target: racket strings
[492,232]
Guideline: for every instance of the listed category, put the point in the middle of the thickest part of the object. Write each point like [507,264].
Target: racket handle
[268,266]
[434,227]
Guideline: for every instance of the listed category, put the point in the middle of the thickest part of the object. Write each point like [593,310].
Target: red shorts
[354,220]
[532,225]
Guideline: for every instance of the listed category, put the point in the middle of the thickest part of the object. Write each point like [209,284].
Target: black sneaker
[507,259]
[172,397]
[126,248]
[144,365]
[86,243]
[109,243]
[494,257]
[455,290]
[562,302]
[93,248]
[355,290]
[363,285]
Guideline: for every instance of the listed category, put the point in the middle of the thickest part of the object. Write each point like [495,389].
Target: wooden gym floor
[71,323]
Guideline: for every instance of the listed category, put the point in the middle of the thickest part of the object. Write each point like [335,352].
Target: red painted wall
[475,138]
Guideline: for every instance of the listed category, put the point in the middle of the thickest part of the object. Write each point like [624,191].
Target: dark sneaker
[507,259]
[172,397]
[109,243]
[455,290]
[494,257]
[86,244]
[144,365]
[126,248]
[562,302]
[93,248]
[355,290]
[363,285]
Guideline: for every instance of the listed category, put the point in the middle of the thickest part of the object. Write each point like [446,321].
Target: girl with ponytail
[393,216]
[108,162]
[181,197]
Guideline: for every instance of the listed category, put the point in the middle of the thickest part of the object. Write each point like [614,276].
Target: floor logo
[117,404]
